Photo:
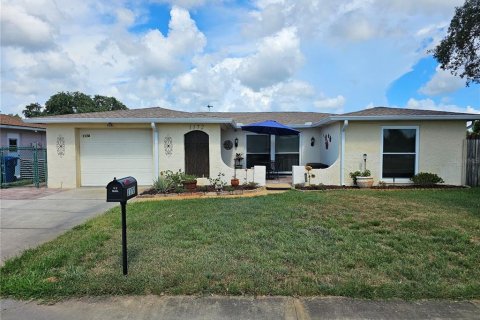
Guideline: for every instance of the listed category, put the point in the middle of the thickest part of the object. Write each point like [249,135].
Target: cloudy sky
[264,55]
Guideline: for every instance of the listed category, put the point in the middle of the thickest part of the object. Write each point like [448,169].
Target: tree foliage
[73,102]
[459,51]
[32,110]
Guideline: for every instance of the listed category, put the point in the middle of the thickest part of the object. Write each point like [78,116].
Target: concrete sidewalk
[31,216]
[218,307]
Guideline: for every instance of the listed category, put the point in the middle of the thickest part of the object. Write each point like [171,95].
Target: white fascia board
[130,120]
[328,120]
[22,128]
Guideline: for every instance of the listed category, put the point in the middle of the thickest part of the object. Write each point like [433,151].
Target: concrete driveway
[31,216]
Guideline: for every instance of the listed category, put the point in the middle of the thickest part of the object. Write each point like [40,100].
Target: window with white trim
[399,158]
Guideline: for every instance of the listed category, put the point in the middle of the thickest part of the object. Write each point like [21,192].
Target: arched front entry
[197,154]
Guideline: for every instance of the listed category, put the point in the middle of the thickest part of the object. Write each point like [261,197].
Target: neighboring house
[15,133]
[90,149]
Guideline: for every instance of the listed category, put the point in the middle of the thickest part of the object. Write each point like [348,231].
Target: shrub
[426,178]
[179,189]
[250,185]
[229,188]
[202,188]
[162,184]
[218,182]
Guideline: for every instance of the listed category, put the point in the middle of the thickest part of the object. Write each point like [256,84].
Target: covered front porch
[280,155]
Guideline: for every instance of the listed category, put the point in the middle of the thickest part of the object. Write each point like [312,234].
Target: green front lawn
[372,244]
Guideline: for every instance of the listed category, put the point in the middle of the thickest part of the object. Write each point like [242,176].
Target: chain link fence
[23,166]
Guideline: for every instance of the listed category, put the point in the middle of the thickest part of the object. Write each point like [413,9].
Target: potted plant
[363,179]
[189,182]
[234,181]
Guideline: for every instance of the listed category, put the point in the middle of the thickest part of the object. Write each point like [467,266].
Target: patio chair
[272,171]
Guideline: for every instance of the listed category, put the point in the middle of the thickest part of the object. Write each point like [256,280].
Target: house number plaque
[196,127]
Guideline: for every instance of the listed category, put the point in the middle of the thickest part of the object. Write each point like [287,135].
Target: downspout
[342,154]
[155,150]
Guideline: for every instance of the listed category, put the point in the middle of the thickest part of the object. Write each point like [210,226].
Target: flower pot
[190,185]
[234,182]
[364,182]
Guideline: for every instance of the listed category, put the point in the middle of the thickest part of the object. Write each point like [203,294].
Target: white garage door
[105,154]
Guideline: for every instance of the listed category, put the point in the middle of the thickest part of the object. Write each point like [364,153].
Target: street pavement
[241,308]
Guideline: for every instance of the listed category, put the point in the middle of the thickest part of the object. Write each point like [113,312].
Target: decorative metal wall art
[228,144]
[328,140]
[60,146]
[168,144]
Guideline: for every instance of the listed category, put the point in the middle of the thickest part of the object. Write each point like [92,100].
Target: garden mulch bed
[200,192]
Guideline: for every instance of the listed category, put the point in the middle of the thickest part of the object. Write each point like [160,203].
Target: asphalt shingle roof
[384,111]
[288,118]
[7,120]
[282,117]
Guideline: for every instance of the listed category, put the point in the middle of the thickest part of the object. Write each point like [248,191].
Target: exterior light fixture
[312,141]
[365,161]
[236,142]
[109,124]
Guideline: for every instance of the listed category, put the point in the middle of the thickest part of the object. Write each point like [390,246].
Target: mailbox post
[122,190]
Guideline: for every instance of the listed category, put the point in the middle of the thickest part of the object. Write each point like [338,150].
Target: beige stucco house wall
[440,150]
[64,168]
[440,147]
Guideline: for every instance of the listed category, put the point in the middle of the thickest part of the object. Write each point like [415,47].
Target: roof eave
[129,120]
[465,117]
[8,126]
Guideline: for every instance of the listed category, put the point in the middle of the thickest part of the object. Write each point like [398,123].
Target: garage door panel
[105,154]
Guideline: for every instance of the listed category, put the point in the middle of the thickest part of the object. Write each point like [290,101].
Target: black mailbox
[122,189]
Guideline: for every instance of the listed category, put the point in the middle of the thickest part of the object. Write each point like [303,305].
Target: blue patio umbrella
[270,127]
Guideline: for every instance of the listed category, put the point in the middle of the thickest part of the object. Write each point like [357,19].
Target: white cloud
[185,3]
[442,82]
[169,54]
[331,104]
[429,104]
[23,30]
[277,59]
[272,55]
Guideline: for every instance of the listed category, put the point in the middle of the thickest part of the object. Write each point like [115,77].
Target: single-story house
[14,133]
[90,149]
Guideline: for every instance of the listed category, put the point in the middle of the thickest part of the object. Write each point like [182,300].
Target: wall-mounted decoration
[168,144]
[328,140]
[228,144]
[60,146]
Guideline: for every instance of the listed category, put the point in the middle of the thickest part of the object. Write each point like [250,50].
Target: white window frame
[417,152]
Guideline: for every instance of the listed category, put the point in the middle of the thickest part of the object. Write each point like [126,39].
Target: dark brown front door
[196,154]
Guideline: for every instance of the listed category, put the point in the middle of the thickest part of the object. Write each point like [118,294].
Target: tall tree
[103,103]
[459,51]
[73,102]
[33,110]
